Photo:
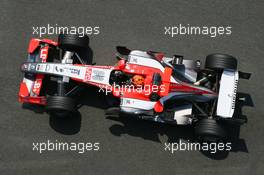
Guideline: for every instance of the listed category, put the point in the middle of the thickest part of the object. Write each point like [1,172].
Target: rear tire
[220,61]
[209,130]
[60,105]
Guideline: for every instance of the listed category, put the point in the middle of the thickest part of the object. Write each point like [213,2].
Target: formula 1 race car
[149,85]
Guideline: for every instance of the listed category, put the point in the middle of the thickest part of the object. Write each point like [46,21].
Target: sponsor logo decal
[73,70]
[132,60]
[126,102]
[37,85]
[234,95]
[32,67]
[47,67]
[44,54]
[98,75]
[57,69]
[41,67]
[88,73]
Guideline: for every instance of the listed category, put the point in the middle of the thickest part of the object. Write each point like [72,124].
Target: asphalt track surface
[128,146]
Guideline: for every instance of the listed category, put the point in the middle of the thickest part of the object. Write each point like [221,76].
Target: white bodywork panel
[181,114]
[29,84]
[59,69]
[189,73]
[92,74]
[227,94]
[100,76]
[132,105]
[142,58]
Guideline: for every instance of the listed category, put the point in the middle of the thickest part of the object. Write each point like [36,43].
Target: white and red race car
[149,84]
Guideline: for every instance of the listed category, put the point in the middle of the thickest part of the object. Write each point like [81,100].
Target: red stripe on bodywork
[35,100]
[33,44]
[39,77]
[166,81]
[183,87]
[23,90]
[49,41]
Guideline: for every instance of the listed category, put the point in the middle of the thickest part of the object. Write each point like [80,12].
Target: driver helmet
[138,80]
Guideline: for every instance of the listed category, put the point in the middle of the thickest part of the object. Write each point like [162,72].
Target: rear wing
[228,91]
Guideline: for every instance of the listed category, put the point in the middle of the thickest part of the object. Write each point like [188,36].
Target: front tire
[77,44]
[71,42]
[60,105]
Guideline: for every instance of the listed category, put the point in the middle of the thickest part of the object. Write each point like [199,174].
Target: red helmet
[138,80]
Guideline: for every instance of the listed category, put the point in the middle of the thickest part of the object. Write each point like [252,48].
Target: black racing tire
[72,42]
[60,105]
[210,130]
[219,61]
